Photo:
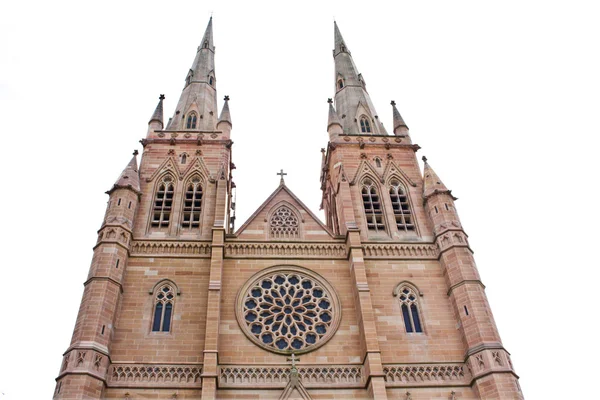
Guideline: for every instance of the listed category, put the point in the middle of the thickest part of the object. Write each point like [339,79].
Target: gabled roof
[281,195]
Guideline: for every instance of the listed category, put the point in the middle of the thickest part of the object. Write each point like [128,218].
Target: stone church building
[382,301]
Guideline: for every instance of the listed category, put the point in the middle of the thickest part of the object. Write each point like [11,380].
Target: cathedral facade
[382,301]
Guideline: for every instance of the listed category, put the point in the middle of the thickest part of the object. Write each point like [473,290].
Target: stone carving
[98,361]
[288,310]
[80,358]
[284,224]
[401,250]
[311,376]
[155,374]
[399,375]
[497,358]
[285,250]
[480,362]
[158,248]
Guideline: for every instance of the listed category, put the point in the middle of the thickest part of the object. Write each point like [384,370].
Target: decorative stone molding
[285,250]
[408,375]
[406,251]
[158,249]
[278,376]
[155,375]
[85,361]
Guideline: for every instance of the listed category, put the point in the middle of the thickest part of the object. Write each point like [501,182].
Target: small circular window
[288,310]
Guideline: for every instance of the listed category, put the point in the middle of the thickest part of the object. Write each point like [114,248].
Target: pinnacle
[225,113]
[432,184]
[398,120]
[158,112]
[129,178]
[333,117]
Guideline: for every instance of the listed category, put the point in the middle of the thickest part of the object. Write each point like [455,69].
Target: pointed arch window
[192,119]
[340,84]
[284,224]
[164,299]
[163,203]
[410,309]
[401,207]
[372,206]
[211,80]
[365,124]
[192,204]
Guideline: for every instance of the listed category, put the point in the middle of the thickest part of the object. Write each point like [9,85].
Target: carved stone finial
[135,152]
[322,149]
[293,359]
[161,97]
[393,103]
[226,98]
[329,100]
[127,396]
[424,159]
[408,396]
[453,395]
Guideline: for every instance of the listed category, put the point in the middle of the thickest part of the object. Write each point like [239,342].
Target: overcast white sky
[503,98]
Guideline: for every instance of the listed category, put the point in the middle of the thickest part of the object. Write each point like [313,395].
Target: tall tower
[382,301]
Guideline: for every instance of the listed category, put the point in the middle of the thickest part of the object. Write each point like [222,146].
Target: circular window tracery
[288,310]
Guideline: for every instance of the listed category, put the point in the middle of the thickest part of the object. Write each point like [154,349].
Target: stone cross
[281,182]
[293,359]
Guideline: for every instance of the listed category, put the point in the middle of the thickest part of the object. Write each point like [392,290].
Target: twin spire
[197,105]
[353,106]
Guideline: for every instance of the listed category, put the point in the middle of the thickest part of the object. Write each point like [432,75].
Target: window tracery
[192,204]
[365,124]
[191,121]
[163,309]
[410,309]
[288,310]
[163,202]
[400,206]
[284,224]
[372,206]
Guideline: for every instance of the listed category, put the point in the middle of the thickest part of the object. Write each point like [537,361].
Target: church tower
[383,300]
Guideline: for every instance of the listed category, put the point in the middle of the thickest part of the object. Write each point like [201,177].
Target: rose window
[288,310]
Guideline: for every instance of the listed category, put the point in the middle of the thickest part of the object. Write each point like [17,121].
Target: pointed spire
[352,100]
[225,114]
[129,178]
[199,95]
[333,117]
[398,121]
[432,184]
[339,44]
[158,112]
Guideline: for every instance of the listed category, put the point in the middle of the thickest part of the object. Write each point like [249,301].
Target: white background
[503,97]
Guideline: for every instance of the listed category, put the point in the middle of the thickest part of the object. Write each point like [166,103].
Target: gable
[283,217]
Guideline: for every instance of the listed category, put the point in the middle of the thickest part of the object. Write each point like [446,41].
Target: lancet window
[164,299]
[410,309]
[365,124]
[163,203]
[372,206]
[192,204]
[191,121]
[284,224]
[401,207]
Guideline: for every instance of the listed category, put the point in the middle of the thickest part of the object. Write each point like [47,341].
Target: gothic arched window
[164,298]
[340,83]
[410,308]
[401,207]
[372,206]
[192,204]
[211,80]
[284,224]
[191,121]
[365,124]
[163,202]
